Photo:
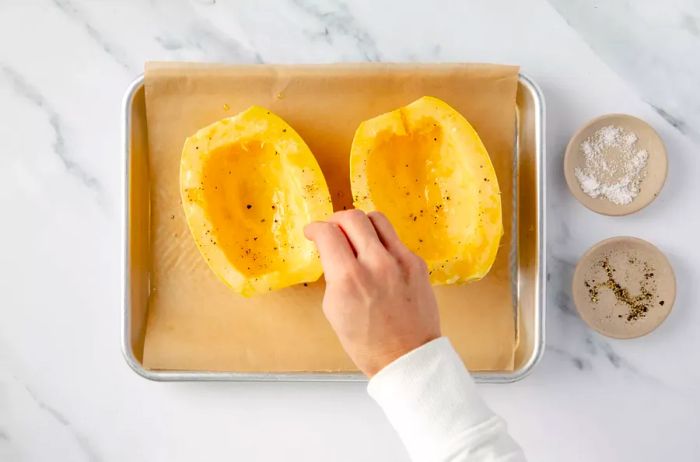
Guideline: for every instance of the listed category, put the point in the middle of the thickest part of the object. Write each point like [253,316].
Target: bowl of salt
[616,164]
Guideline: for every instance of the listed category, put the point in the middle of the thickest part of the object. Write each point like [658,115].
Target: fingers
[360,232]
[387,234]
[389,237]
[336,254]
[371,237]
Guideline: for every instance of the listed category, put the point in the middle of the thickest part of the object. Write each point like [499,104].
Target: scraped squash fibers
[249,184]
[425,167]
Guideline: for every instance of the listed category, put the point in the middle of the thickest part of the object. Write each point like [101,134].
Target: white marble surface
[67,394]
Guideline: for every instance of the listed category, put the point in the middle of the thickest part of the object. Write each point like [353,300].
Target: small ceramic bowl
[624,287]
[653,174]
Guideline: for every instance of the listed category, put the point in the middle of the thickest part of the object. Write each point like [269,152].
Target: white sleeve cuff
[432,402]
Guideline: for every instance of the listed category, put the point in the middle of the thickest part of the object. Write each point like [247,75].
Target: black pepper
[638,305]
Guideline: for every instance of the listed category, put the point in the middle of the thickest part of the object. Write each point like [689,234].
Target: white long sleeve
[432,402]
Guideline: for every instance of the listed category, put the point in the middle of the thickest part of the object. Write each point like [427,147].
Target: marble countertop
[66,392]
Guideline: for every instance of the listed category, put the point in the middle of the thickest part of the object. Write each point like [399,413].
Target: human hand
[378,297]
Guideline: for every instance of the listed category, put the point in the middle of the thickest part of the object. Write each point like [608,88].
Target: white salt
[613,166]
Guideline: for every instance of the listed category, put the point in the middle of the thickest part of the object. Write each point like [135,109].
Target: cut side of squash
[426,169]
[249,184]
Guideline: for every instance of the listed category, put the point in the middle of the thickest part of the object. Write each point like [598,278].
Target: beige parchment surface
[195,322]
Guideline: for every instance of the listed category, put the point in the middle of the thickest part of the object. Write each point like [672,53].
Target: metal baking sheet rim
[480,377]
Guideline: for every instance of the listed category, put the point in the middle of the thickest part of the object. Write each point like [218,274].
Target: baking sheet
[195,322]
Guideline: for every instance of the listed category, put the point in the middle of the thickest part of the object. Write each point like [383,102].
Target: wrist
[378,361]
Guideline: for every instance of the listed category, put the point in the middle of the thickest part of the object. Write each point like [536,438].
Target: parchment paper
[195,322]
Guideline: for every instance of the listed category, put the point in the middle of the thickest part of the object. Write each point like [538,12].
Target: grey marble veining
[75,14]
[83,442]
[32,96]
[653,45]
[337,22]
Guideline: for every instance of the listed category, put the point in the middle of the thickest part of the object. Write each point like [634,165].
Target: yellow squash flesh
[249,184]
[426,169]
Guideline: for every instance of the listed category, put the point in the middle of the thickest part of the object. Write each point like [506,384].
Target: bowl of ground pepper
[624,287]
